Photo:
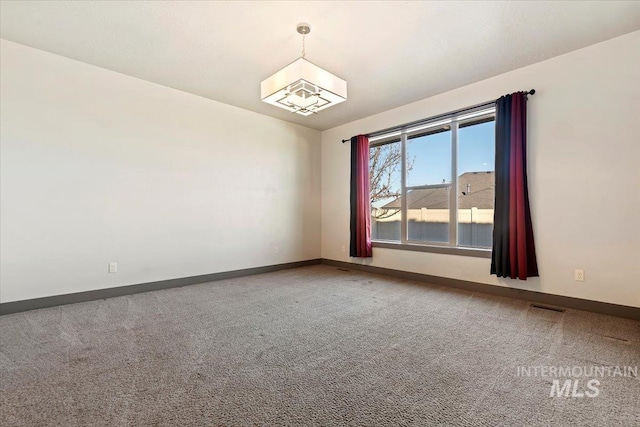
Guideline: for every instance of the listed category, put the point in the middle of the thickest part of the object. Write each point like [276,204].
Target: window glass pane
[384,175]
[476,184]
[428,214]
[429,158]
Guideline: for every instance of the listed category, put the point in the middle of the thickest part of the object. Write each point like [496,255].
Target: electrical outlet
[276,250]
[344,248]
[579,275]
[113,267]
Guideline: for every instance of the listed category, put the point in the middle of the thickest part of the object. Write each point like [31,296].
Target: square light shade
[304,88]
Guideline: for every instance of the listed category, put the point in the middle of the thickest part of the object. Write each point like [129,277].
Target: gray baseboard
[533,296]
[536,297]
[32,304]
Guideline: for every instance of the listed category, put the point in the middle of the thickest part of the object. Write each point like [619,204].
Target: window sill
[473,252]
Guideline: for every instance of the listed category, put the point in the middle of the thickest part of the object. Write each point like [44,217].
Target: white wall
[584,174]
[98,167]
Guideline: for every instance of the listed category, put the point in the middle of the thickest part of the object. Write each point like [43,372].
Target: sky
[432,154]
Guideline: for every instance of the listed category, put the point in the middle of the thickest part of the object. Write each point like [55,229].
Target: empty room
[319,213]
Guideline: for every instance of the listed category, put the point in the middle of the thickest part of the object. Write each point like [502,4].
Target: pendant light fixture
[302,87]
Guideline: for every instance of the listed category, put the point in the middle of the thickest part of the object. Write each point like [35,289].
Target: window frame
[455,120]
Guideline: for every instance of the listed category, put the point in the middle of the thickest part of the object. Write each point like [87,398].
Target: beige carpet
[310,346]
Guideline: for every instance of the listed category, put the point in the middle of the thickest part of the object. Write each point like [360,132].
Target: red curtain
[514,253]
[360,221]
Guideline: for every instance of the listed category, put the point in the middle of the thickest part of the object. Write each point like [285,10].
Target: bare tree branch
[384,167]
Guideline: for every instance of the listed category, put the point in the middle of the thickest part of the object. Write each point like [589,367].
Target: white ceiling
[390,52]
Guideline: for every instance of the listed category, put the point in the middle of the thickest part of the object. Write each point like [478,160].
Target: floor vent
[343,269]
[546,307]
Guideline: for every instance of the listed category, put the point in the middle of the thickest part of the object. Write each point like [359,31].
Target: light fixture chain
[303,52]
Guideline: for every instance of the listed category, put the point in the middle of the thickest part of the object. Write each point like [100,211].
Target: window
[432,182]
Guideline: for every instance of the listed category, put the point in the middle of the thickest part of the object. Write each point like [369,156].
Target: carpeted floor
[311,346]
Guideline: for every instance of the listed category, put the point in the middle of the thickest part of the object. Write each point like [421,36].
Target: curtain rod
[395,128]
